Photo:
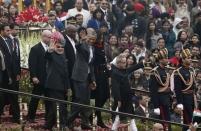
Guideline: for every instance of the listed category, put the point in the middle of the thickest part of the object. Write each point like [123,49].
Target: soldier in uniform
[160,87]
[184,86]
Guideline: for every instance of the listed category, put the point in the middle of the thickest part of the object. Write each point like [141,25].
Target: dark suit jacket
[37,63]
[121,90]
[70,55]
[81,66]
[57,72]
[7,57]
[139,111]
[16,57]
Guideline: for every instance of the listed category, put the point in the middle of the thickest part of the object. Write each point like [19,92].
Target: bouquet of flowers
[31,16]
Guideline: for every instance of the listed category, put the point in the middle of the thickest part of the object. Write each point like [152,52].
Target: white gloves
[116,122]
[157,111]
[195,124]
[10,81]
[133,126]
[180,106]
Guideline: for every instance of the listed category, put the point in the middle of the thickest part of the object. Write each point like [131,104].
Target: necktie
[46,48]
[14,44]
[16,47]
[9,46]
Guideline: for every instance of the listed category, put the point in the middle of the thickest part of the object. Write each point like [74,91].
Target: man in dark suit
[70,52]
[37,67]
[83,78]
[57,81]
[16,51]
[141,109]
[16,58]
[108,16]
[121,91]
[9,73]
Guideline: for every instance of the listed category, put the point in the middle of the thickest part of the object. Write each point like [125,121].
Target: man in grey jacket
[83,78]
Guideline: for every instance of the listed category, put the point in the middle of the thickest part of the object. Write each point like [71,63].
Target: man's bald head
[158,127]
[46,36]
[71,31]
[46,32]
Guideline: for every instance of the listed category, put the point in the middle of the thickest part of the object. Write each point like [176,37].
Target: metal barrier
[148,92]
[109,111]
[94,108]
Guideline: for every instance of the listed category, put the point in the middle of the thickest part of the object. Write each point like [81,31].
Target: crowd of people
[128,46]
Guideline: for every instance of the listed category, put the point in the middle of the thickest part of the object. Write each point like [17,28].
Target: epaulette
[154,70]
[192,69]
[176,72]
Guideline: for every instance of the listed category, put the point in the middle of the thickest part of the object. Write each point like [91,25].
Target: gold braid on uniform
[166,83]
[190,83]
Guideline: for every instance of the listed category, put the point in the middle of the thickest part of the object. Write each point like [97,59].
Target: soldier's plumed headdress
[163,54]
[186,53]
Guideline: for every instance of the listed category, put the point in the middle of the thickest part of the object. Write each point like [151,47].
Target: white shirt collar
[72,43]
[3,37]
[45,46]
[104,11]
[143,108]
[69,38]
[12,37]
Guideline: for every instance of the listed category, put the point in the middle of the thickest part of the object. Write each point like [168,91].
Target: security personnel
[184,86]
[160,87]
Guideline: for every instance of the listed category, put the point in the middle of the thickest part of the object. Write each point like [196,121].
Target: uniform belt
[162,90]
[188,92]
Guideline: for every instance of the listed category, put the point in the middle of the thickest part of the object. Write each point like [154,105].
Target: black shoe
[102,125]
[86,127]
